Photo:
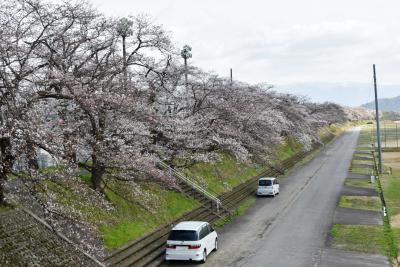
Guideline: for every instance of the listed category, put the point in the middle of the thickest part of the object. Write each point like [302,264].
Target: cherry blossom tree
[86,72]
[108,95]
[23,27]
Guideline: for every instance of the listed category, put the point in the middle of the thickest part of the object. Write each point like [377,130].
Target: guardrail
[172,172]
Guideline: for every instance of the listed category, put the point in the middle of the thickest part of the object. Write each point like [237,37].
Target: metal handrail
[191,183]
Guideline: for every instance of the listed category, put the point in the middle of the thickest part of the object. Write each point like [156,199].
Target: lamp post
[124,29]
[186,54]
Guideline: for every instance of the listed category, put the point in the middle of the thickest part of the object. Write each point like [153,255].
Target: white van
[267,186]
[191,240]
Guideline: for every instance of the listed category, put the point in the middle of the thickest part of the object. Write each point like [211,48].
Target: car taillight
[170,246]
[194,246]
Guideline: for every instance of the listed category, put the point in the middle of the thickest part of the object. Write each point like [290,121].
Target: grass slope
[223,175]
[124,216]
[127,213]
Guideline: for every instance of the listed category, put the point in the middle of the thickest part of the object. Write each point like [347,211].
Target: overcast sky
[283,42]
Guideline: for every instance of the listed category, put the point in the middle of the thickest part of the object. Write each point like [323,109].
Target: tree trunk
[98,171]
[2,198]
[6,161]
[32,156]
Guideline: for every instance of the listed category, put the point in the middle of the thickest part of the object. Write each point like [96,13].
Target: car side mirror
[211,229]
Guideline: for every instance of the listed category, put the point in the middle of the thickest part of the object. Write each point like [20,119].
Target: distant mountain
[385,104]
[348,94]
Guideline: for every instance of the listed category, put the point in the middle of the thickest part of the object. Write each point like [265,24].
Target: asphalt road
[291,229]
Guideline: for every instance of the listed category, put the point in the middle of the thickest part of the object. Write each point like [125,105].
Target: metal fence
[390,134]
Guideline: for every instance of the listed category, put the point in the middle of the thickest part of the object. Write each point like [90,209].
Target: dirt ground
[390,143]
[392,159]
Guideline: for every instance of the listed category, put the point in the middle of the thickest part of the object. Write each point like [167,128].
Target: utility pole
[378,132]
[231,77]
[185,53]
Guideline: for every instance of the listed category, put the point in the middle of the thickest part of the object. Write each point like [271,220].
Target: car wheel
[204,256]
[216,244]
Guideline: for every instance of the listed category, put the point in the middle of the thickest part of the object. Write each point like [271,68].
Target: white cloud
[282,41]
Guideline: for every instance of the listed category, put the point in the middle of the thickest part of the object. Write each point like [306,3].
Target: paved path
[362,165]
[291,229]
[353,175]
[340,258]
[356,216]
[359,191]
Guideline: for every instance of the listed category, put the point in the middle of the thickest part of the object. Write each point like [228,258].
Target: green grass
[360,202]
[124,219]
[362,161]
[391,190]
[363,147]
[389,186]
[134,221]
[288,148]
[360,238]
[5,208]
[359,183]
[51,169]
[123,232]
[11,177]
[362,170]
[223,175]
[238,211]
[396,235]
[245,205]
[391,243]
[86,177]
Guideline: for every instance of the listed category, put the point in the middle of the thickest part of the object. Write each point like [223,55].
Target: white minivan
[267,186]
[191,240]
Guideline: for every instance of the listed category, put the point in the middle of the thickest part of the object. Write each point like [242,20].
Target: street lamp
[124,29]
[185,53]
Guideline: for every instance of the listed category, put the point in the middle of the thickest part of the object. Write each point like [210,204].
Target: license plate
[180,247]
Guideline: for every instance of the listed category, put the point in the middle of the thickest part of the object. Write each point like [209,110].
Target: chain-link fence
[390,134]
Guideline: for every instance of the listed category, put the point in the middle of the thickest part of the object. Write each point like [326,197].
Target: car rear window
[265,182]
[183,235]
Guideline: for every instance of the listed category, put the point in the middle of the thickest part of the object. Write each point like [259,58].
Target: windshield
[265,182]
[183,235]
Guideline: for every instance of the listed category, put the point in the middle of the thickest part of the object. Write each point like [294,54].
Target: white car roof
[267,178]
[188,225]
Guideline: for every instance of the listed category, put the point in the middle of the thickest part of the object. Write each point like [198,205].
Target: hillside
[385,104]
